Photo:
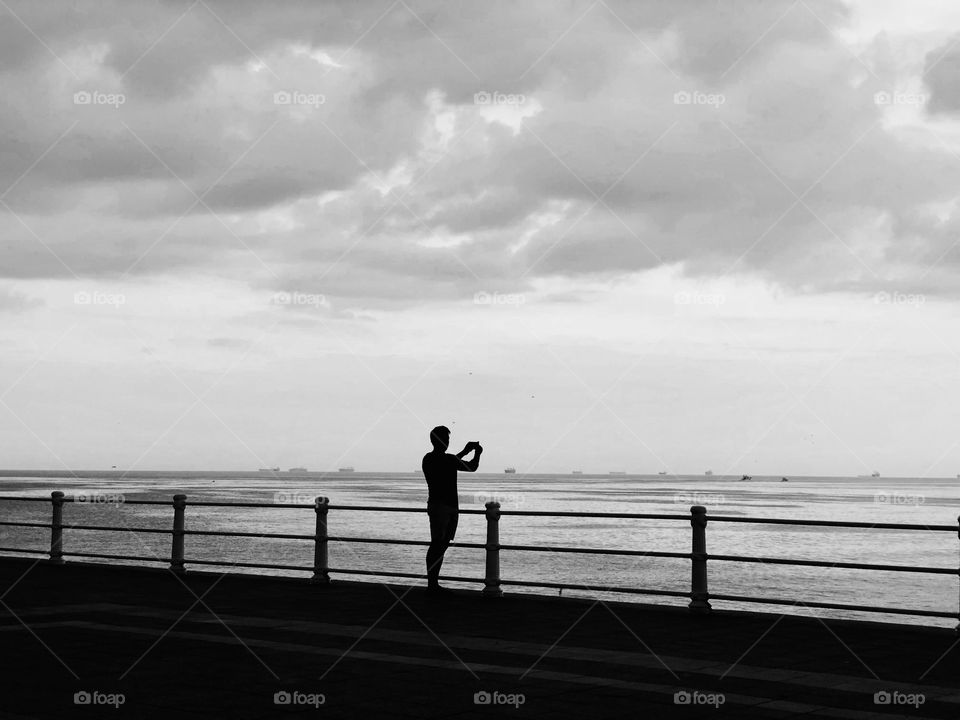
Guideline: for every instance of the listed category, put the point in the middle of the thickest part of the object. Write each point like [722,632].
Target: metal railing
[698,593]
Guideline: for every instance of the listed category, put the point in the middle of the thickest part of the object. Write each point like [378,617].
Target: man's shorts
[443,523]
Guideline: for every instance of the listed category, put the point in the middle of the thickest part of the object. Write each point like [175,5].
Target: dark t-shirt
[440,471]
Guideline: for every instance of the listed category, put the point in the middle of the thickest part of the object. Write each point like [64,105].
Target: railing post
[176,554]
[699,596]
[321,569]
[492,580]
[56,529]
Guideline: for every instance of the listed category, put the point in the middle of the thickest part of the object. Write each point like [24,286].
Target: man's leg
[438,545]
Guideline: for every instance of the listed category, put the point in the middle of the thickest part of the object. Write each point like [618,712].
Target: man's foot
[439,590]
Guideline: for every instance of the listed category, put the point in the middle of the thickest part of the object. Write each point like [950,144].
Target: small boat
[510,470]
[662,472]
[746,477]
[783,479]
[345,469]
[577,472]
[273,469]
[297,470]
[875,474]
[709,472]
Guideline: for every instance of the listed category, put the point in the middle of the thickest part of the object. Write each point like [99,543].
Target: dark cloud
[942,77]
[710,188]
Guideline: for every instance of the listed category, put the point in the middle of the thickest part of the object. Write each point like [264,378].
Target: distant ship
[345,469]
[580,472]
[662,472]
[709,472]
[510,470]
[297,469]
[783,479]
[618,472]
[273,469]
[874,474]
[746,477]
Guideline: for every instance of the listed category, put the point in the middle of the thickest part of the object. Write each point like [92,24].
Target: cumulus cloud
[737,137]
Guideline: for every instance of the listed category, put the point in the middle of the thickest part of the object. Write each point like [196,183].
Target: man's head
[440,438]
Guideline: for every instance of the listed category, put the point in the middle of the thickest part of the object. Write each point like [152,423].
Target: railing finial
[699,595]
[176,553]
[56,529]
[321,567]
[491,583]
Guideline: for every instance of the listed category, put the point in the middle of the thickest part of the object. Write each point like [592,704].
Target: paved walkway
[145,643]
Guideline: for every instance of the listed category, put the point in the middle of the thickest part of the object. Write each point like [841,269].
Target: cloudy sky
[604,235]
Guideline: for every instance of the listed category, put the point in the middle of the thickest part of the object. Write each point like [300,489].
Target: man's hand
[472,445]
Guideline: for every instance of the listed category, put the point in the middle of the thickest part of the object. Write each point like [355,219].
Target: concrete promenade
[145,643]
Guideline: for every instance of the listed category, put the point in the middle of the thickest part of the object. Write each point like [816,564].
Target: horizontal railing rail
[698,556]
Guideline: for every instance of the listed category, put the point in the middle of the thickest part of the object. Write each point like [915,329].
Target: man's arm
[472,464]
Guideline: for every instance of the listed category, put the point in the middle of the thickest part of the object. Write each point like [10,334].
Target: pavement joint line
[831,681]
[538,674]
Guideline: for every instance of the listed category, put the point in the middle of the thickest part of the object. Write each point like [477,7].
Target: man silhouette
[443,506]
